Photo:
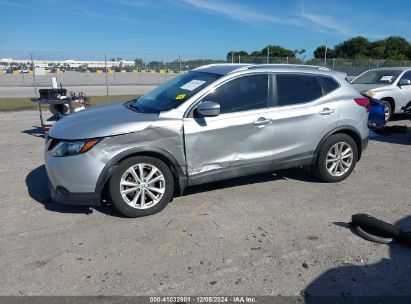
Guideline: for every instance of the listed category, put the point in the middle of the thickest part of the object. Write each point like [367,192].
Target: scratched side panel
[166,135]
[226,141]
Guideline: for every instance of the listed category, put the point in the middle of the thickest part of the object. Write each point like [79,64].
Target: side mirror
[208,109]
[404,82]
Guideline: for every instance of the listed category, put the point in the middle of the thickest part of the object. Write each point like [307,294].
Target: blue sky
[161,29]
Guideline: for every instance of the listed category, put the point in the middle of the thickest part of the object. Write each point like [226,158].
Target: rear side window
[329,84]
[295,89]
[241,94]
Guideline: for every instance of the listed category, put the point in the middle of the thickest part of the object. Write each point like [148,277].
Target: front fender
[167,157]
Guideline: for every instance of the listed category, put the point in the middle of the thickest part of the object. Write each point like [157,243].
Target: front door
[238,140]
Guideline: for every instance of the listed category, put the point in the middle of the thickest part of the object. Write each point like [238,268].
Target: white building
[68,62]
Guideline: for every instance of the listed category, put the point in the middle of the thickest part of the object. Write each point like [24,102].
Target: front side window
[173,93]
[241,94]
[296,89]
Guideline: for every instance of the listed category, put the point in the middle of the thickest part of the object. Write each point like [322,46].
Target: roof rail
[256,66]
[218,64]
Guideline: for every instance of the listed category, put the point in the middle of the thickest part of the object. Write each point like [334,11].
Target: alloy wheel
[142,186]
[339,159]
[387,113]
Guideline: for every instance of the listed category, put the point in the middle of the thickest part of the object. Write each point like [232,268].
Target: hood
[367,87]
[101,121]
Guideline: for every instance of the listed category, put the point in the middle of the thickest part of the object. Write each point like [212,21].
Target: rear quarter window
[329,84]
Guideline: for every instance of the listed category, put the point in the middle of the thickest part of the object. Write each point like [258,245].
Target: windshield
[377,77]
[173,93]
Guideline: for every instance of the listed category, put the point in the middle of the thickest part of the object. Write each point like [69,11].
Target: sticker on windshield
[180,96]
[192,85]
[387,78]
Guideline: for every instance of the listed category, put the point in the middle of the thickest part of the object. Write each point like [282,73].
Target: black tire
[114,187]
[387,105]
[373,229]
[371,237]
[320,168]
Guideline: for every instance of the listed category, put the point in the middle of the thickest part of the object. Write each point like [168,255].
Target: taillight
[363,102]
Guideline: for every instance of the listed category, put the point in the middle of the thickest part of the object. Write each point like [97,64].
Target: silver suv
[391,85]
[213,123]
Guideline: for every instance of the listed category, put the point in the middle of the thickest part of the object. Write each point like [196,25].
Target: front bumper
[73,179]
[68,198]
[364,143]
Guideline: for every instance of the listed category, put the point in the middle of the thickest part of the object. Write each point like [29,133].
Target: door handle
[261,121]
[326,111]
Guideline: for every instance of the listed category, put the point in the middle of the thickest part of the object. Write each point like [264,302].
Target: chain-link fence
[350,66]
[128,73]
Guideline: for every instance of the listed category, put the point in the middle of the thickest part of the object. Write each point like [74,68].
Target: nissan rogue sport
[213,123]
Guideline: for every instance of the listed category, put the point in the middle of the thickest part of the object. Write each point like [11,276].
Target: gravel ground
[283,233]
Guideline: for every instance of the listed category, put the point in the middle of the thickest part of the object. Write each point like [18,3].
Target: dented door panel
[227,140]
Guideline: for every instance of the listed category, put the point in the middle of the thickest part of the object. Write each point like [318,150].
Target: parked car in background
[213,123]
[392,86]
[24,71]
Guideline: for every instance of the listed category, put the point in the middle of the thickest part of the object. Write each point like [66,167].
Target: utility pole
[35,90]
[232,56]
[268,55]
[179,59]
[325,53]
[105,65]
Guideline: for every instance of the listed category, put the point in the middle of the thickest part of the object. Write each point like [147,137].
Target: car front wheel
[336,158]
[141,186]
[387,110]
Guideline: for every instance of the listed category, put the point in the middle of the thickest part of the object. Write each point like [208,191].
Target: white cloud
[239,12]
[326,23]
[302,18]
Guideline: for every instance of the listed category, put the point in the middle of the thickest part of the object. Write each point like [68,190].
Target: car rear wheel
[336,158]
[141,186]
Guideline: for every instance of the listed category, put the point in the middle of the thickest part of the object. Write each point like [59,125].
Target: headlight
[70,148]
[370,93]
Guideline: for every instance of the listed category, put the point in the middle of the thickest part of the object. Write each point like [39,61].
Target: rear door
[237,138]
[304,111]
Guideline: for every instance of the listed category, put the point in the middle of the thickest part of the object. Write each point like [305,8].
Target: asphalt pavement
[281,233]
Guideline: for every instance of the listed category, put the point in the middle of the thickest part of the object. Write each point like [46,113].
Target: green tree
[396,48]
[320,52]
[234,55]
[138,62]
[257,54]
[377,49]
[156,65]
[354,48]
[277,51]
